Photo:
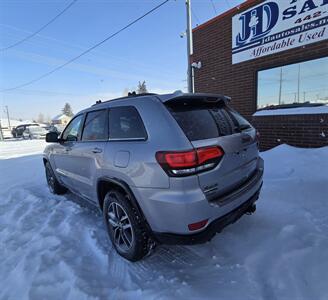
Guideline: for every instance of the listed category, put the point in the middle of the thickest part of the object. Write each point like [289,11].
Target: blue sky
[151,50]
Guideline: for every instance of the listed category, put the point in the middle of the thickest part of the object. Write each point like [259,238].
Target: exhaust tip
[251,209]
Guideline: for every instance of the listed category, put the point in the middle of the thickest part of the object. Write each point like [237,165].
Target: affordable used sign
[278,25]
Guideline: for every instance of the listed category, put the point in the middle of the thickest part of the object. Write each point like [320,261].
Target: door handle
[96,150]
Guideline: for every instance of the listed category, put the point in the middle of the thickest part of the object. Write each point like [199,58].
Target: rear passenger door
[125,152]
[19,131]
[87,154]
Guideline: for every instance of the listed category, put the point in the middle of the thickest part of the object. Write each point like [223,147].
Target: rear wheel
[124,226]
[54,186]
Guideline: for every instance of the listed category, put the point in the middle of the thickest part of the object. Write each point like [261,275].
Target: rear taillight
[184,163]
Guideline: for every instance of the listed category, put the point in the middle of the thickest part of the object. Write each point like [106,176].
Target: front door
[63,163]
[86,156]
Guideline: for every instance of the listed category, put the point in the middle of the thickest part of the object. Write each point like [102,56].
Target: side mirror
[52,137]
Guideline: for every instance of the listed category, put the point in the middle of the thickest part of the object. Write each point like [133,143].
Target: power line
[214,8]
[194,14]
[86,51]
[41,28]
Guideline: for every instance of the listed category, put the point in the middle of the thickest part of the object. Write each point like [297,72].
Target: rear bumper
[213,228]
[171,210]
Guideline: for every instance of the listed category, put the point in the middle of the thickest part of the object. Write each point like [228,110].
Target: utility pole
[298,83]
[280,85]
[1,133]
[190,51]
[7,110]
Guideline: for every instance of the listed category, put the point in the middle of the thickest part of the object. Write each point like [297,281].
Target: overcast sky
[151,50]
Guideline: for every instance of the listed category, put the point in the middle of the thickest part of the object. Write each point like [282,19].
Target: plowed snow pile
[55,247]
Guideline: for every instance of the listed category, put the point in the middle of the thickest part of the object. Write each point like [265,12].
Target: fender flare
[132,199]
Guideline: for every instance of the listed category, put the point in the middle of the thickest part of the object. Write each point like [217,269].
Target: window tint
[200,122]
[95,126]
[20,129]
[222,120]
[196,124]
[239,120]
[71,132]
[125,123]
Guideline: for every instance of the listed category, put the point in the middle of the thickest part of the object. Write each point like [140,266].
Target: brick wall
[296,130]
[212,46]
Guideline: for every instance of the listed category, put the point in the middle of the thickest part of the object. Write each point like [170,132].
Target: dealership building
[271,58]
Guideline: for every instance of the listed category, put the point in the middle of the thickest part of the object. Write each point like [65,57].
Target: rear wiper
[243,127]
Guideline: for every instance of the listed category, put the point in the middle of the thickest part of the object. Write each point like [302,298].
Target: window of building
[95,126]
[296,83]
[71,132]
[125,123]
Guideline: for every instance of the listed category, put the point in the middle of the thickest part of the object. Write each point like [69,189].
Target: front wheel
[124,226]
[54,186]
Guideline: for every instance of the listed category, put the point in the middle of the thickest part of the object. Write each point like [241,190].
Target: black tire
[139,246]
[54,186]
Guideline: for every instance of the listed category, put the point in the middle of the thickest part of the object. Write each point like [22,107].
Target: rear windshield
[206,121]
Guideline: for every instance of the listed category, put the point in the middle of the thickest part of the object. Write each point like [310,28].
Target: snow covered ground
[54,247]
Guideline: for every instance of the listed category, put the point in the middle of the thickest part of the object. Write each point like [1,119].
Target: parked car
[171,169]
[46,126]
[34,132]
[17,132]
[56,128]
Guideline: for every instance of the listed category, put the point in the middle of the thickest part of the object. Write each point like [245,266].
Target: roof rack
[130,95]
[134,94]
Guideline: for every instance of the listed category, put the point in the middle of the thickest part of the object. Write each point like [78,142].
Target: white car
[34,132]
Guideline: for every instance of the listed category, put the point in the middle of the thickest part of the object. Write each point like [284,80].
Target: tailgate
[238,164]
[214,123]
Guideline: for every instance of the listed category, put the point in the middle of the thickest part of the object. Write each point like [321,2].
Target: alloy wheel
[120,224]
[50,179]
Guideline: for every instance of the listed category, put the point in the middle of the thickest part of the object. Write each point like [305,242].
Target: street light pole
[7,110]
[190,71]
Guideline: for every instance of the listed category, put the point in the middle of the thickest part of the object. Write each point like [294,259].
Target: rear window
[125,123]
[206,121]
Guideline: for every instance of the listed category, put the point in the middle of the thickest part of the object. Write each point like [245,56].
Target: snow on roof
[59,117]
[293,111]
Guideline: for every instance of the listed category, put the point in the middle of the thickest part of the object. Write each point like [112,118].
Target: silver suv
[171,169]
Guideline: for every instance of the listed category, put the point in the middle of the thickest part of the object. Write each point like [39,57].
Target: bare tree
[40,118]
[142,88]
[67,110]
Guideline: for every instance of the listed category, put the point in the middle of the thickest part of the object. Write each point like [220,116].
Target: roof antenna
[98,101]
[132,94]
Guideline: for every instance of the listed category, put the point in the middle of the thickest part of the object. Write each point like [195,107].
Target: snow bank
[293,111]
[53,247]
[16,148]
